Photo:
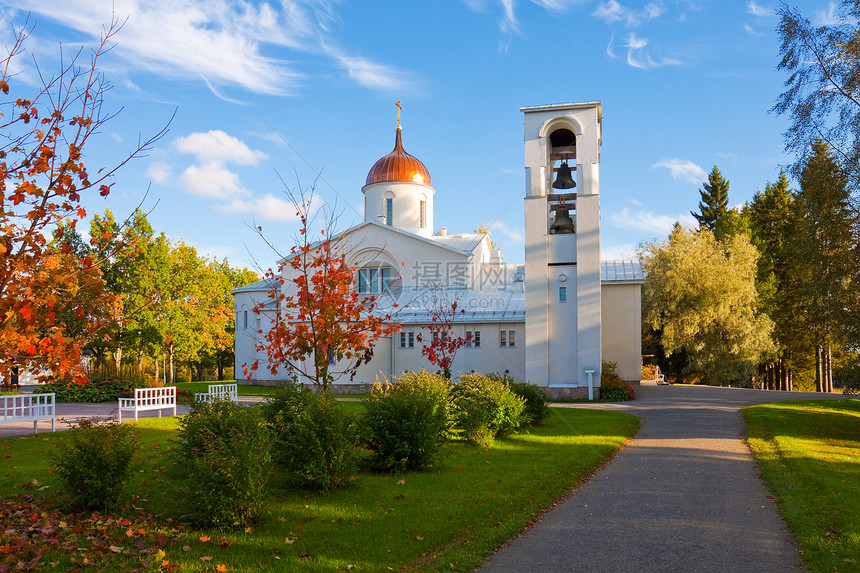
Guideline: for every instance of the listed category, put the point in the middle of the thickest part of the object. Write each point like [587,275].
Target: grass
[809,454]
[449,518]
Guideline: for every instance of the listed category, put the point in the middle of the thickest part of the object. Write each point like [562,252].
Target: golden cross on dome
[399,109]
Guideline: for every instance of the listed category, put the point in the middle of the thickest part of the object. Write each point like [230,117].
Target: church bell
[562,224]
[564,179]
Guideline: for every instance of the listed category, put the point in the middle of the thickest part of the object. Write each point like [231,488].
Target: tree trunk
[172,366]
[828,378]
[219,361]
[156,368]
[117,356]
[819,370]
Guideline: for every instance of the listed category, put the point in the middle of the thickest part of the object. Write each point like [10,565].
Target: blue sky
[292,89]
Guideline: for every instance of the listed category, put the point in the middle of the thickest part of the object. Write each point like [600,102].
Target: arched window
[374,280]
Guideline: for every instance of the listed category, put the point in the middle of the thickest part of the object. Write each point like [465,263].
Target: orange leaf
[221,568]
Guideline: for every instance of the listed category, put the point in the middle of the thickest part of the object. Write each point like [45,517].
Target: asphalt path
[684,495]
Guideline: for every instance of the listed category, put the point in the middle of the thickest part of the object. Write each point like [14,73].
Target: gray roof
[465,242]
[629,271]
[264,285]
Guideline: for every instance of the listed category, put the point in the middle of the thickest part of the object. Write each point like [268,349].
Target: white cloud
[511,235]
[826,17]
[639,57]
[267,208]
[752,31]
[760,11]
[370,74]
[217,146]
[683,169]
[211,180]
[158,171]
[612,11]
[649,221]
[620,252]
[222,43]
[559,5]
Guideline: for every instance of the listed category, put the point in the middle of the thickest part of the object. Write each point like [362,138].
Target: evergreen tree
[823,255]
[714,202]
[770,215]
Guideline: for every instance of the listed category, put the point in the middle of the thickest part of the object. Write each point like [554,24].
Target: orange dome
[398,166]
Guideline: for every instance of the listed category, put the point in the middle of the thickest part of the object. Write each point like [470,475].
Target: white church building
[550,321]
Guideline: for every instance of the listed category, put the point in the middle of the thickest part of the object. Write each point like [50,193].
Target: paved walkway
[684,495]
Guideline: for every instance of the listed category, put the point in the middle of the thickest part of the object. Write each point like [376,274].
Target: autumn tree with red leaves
[443,345]
[322,329]
[52,300]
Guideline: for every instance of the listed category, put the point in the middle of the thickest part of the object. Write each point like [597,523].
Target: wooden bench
[149,399]
[29,407]
[219,392]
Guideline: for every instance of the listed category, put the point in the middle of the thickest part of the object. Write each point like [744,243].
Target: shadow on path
[683,495]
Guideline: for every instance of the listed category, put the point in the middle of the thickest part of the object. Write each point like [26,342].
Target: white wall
[622,328]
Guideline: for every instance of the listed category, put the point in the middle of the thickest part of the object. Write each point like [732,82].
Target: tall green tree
[714,202]
[821,96]
[700,294]
[823,251]
[771,215]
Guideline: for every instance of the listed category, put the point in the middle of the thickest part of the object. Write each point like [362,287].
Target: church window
[503,338]
[407,340]
[512,338]
[422,213]
[373,281]
[508,338]
[562,294]
[245,319]
[473,339]
[389,212]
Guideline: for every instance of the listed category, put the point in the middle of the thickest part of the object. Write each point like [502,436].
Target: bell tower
[562,227]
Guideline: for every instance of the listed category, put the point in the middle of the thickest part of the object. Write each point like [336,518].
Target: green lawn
[445,519]
[809,454]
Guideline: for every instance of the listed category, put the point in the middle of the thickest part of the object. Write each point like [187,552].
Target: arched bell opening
[560,203]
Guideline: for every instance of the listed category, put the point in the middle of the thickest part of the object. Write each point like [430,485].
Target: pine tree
[823,259]
[770,215]
[715,200]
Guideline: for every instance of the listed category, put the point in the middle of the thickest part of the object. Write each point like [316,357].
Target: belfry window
[422,213]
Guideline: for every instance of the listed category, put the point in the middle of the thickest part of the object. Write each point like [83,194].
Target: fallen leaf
[221,568]
[205,539]
[401,482]
[206,558]
[289,541]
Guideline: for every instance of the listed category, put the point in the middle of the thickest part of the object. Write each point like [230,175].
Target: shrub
[485,408]
[649,372]
[222,461]
[316,439]
[105,384]
[406,421]
[612,387]
[93,467]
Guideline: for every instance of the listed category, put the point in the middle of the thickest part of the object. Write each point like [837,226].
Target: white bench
[149,399]
[27,407]
[219,392]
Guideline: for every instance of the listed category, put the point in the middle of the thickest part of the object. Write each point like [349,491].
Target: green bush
[222,460]
[537,405]
[612,387]
[485,408]
[94,466]
[406,421]
[105,384]
[316,439]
